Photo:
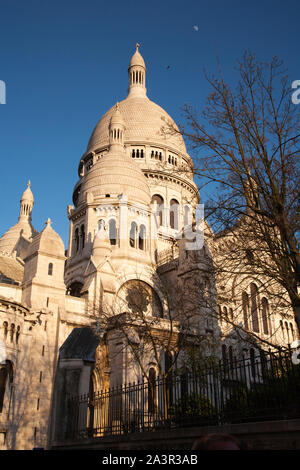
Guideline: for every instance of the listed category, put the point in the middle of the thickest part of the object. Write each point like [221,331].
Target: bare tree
[149,330]
[247,143]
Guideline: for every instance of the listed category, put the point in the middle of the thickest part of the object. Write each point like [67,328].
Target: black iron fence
[261,387]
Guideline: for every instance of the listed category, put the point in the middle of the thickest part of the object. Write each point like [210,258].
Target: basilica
[69,316]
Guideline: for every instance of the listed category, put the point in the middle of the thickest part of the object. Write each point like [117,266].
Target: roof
[11,270]
[19,236]
[48,241]
[80,344]
[137,59]
[27,195]
[16,237]
[143,121]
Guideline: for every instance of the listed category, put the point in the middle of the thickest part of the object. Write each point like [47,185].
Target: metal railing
[264,387]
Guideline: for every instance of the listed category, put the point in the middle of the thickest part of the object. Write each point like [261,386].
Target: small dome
[12,239]
[47,241]
[18,236]
[137,59]
[113,174]
[117,118]
[101,244]
[11,270]
[27,195]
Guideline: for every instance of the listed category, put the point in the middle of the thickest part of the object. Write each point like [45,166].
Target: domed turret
[116,130]
[137,59]
[101,245]
[18,236]
[27,196]
[137,75]
[143,119]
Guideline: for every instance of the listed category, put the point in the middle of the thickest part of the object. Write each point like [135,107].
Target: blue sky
[65,64]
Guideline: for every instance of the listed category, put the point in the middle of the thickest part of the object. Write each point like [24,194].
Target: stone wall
[268,435]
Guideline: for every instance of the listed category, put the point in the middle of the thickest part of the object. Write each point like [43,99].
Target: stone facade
[134,197]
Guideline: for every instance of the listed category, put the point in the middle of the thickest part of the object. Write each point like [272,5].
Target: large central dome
[144,119]
[116,173]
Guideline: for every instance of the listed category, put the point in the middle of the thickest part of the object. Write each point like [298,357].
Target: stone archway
[139,297]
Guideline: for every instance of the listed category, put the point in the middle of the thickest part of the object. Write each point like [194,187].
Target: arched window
[174,214]
[82,236]
[12,332]
[5,329]
[142,238]
[101,224]
[112,232]
[3,380]
[287,331]
[133,235]
[6,372]
[141,298]
[152,390]
[75,289]
[50,269]
[76,240]
[219,312]
[225,313]
[245,301]
[282,328]
[17,334]
[158,203]
[254,307]
[265,315]
[292,331]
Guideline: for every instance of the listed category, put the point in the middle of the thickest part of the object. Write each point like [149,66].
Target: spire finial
[137,74]
[48,222]
[117,106]
[28,184]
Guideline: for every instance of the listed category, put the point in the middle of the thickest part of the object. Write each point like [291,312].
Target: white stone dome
[27,196]
[13,239]
[113,174]
[10,241]
[143,121]
[137,59]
